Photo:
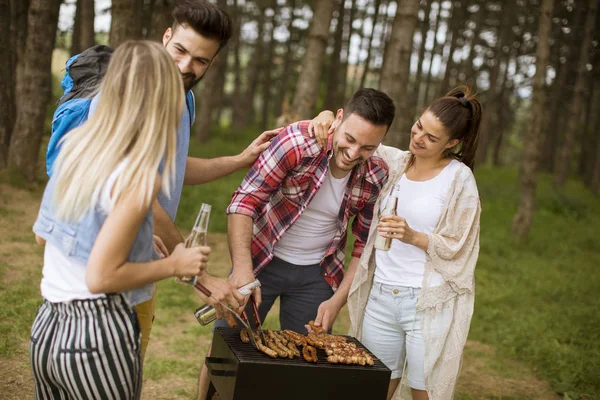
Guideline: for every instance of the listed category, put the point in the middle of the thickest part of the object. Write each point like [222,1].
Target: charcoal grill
[238,371]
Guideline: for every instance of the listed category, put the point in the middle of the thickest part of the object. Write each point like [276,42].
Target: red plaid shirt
[283,181]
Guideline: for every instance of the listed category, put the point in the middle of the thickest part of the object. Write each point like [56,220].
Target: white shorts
[392,331]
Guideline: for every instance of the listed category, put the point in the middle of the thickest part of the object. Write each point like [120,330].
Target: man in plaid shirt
[288,219]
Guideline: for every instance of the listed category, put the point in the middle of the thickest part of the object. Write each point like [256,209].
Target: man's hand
[260,144]
[327,313]
[242,276]
[223,292]
[160,247]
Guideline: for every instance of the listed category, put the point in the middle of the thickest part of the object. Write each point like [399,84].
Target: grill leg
[211,392]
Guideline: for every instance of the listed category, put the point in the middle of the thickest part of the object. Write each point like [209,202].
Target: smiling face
[354,141]
[429,137]
[192,53]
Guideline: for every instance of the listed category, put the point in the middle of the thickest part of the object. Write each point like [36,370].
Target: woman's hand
[189,261]
[395,227]
[321,127]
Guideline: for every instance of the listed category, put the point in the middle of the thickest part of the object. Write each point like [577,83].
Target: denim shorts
[392,331]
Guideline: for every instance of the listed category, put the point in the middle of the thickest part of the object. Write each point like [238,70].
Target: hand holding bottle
[189,262]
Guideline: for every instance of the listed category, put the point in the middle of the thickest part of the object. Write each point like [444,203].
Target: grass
[536,302]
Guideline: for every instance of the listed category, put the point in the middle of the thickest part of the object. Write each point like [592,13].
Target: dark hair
[460,113]
[372,105]
[205,18]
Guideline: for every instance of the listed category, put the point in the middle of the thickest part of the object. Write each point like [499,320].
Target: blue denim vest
[76,239]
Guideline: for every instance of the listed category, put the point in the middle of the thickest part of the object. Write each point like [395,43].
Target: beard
[190,80]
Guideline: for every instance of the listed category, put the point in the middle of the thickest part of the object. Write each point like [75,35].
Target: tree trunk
[363,78]
[19,29]
[212,92]
[308,81]
[550,144]
[337,69]
[210,96]
[282,92]
[268,70]
[502,121]
[343,95]
[362,44]
[7,83]
[88,33]
[528,170]
[425,25]
[161,18]
[243,111]
[586,138]
[467,73]
[395,71]
[29,125]
[126,21]
[486,135]
[438,22]
[564,157]
[76,34]
[237,68]
[456,21]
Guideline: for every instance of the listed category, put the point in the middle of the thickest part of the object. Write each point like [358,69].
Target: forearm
[341,294]
[115,279]
[420,240]
[164,228]
[203,170]
[240,238]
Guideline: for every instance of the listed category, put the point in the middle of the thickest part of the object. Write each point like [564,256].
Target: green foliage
[217,193]
[537,301]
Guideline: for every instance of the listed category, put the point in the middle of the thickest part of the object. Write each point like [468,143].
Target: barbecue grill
[238,371]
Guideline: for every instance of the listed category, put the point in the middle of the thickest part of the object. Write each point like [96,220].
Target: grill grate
[238,371]
[246,352]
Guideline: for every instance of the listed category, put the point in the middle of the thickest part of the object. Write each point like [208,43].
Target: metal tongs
[258,323]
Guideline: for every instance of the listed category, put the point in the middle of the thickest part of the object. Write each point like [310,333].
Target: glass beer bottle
[382,243]
[197,237]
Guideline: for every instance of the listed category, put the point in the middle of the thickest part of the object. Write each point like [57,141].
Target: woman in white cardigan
[412,304]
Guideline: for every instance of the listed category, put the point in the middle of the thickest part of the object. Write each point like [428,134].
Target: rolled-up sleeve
[267,173]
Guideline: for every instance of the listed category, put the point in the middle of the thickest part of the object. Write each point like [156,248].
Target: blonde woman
[96,222]
[412,305]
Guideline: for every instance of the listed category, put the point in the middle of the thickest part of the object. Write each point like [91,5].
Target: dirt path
[177,343]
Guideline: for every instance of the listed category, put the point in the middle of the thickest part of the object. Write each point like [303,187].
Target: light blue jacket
[76,239]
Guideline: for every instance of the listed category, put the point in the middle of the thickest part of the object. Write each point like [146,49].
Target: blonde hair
[140,105]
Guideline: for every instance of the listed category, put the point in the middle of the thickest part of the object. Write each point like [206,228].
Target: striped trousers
[86,349]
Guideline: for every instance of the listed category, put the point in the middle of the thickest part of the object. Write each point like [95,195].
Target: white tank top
[306,242]
[421,204]
[63,278]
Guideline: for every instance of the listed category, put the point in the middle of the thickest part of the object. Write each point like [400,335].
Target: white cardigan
[445,310]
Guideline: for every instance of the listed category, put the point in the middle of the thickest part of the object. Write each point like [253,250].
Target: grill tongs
[258,323]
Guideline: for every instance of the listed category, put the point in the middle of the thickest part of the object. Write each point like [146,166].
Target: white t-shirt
[420,204]
[63,278]
[306,241]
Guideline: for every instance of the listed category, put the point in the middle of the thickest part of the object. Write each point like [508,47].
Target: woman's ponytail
[460,112]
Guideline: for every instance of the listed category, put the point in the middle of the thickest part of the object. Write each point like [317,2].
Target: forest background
[535,66]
